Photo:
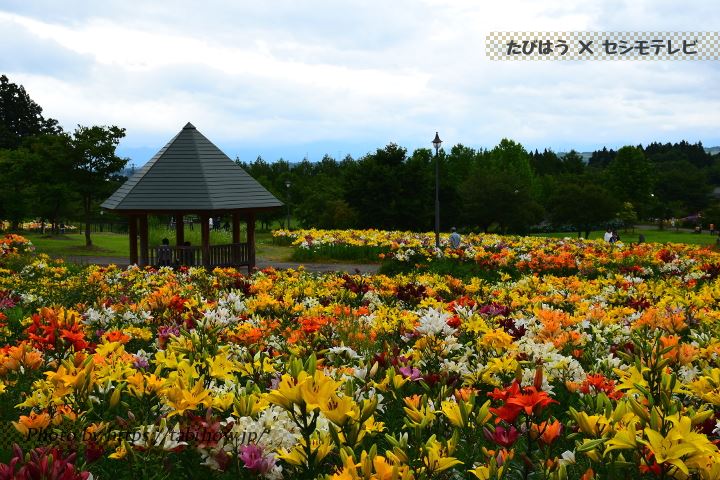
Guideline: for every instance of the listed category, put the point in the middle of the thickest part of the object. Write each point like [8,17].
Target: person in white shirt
[608,235]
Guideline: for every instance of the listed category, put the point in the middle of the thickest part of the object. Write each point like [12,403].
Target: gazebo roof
[190,174]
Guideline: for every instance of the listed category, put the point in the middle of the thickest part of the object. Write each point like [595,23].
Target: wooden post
[144,252]
[251,241]
[205,232]
[235,227]
[179,230]
[236,237]
[133,234]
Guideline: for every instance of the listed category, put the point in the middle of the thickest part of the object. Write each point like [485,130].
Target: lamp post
[436,143]
[287,184]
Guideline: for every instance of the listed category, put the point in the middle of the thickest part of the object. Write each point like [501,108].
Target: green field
[104,244]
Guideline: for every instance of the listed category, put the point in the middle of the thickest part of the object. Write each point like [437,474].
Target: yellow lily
[318,390]
[288,391]
[434,459]
[182,400]
[457,412]
[624,439]
[221,367]
[340,409]
[594,425]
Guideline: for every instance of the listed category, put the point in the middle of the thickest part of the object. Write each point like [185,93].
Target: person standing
[454,238]
[608,235]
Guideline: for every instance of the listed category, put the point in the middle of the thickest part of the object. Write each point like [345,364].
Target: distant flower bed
[285,374]
[517,255]
[5,225]
[12,244]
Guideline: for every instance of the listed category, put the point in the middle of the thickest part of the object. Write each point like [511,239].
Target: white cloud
[290,73]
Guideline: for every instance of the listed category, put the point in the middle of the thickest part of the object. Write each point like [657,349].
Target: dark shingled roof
[190,174]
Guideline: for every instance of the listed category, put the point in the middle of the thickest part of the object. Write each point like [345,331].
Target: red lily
[531,400]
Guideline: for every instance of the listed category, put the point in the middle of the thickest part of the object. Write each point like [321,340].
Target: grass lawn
[104,244]
[116,245]
[265,249]
[658,236]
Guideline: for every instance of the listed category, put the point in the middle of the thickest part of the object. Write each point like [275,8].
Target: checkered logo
[634,46]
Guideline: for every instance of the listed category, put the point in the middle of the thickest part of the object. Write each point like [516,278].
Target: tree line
[506,188]
[50,174]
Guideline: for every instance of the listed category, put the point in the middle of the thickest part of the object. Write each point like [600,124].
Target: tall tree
[375,189]
[546,163]
[16,185]
[96,167]
[454,169]
[630,176]
[682,183]
[601,158]
[20,116]
[54,195]
[500,189]
[573,163]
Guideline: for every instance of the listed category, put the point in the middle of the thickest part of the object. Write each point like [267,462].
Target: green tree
[55,198]
[628,216]
[15,184]
[585,207]
[375,188]
[683,183]
[572,163]
[454,169]
[712,215]
[418,173]
[546,163]
[511,157]
[630,176]
[272,177]
[20,116]
[500,189]
[95,167]
[600,159]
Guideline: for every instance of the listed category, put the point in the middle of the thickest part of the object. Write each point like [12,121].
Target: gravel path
[310,267]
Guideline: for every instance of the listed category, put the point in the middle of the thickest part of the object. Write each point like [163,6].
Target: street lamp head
[287,183]
[437,142]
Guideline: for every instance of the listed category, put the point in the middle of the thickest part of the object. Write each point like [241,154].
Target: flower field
[573,360]
[490,256]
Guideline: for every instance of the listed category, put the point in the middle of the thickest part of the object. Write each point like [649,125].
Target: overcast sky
[290,78]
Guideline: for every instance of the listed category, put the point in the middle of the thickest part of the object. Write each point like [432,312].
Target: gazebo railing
[229,255]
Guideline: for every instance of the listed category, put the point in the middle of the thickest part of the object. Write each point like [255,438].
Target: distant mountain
[713,150]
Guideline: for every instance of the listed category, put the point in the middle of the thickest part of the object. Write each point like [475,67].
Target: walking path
[310,267]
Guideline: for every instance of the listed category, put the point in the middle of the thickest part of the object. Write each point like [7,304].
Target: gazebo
[191,176]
